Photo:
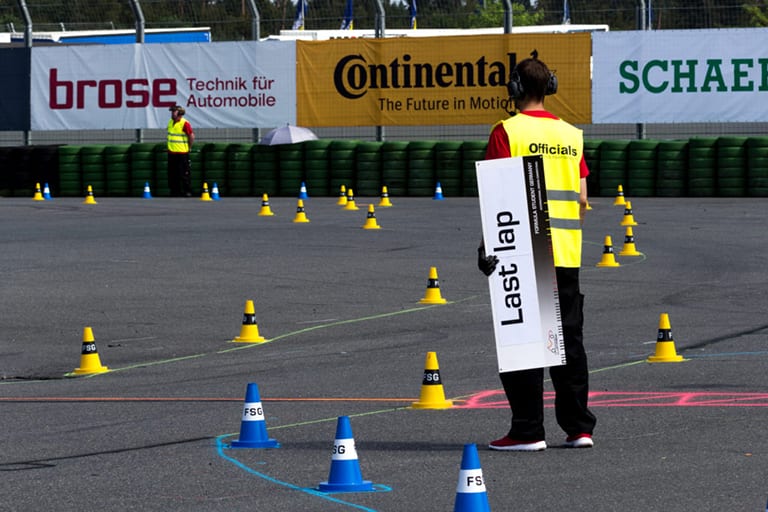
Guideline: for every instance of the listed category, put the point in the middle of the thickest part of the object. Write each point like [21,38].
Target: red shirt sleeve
[498,147]
[187,128]
[498,144]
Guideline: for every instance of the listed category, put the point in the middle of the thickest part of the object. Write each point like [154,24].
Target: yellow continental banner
[433,80]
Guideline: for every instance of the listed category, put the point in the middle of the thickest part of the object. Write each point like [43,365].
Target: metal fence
[234,20]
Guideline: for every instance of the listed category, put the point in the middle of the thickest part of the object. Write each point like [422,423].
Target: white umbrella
[287,135]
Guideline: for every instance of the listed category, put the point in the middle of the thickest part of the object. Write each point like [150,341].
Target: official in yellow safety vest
[534,131]
[180,139]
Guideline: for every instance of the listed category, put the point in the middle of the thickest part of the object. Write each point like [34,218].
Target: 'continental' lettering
[691,76]
[353,76]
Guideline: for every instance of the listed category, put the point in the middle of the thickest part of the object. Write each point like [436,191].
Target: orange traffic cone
[432,393]
[89,358]
[665,345]
[432,295]
[249,332]
[608,259]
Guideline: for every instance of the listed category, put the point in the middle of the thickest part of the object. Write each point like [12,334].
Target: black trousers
[525,388]
[179,174]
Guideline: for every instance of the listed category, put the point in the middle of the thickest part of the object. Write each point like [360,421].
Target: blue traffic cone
[345,473]
[438,192]
[470,491]
[47,193]
[303,191]
[215,192]
[147,192]
[253,428]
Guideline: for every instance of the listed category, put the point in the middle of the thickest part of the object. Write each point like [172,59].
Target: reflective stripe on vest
[178,141]
[561,146]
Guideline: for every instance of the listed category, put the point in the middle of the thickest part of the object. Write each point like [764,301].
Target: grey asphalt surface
[163,284]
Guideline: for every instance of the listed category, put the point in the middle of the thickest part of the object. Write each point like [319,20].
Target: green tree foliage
[230,20]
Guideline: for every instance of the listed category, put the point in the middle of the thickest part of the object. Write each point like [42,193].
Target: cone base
[249,339]
[386,204]
[265,214]
[206,199]
[619,202]
[269,443]
[36,198]
[353,207]
[86,371]
[445,404]
[431,300]
[362,486]
[665,359]
[631,252]
[472,502]
[608,264]
[300,220]
[90,201]
[371,226]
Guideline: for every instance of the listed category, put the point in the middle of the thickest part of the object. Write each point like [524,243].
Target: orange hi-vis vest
[178,141]
[561,146]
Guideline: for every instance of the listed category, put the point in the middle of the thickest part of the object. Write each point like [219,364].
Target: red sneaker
[513,445]
[579,441]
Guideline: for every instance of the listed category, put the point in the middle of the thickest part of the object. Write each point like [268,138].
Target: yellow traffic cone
[619,201]
[608,259]
[432,295]
[370,221]
[665,345]
[89,199]
[301,215]
[205,196]
[629,219]
[342,196]
[350,200]
[38,193]
[432,394]
[89,358]
[385,202]
[265,211]
[629,248]
[249,332]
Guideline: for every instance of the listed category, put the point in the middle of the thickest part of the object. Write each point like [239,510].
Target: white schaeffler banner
[523,288]
[680,76]
[221,85]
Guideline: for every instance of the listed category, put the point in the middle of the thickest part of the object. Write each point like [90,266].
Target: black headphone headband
[515,85]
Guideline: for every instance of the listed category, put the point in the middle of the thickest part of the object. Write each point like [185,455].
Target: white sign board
[524,300]
[220,85]
[680,76]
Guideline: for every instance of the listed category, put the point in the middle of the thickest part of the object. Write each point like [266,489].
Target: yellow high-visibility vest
[178,141]
[561,146]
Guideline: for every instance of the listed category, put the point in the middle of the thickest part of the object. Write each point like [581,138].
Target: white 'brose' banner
[680,76]
[221,85]
[523,288]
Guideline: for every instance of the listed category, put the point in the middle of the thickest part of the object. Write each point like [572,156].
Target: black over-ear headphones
[515,87]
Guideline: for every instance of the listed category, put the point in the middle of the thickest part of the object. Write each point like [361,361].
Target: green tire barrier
[727,166]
